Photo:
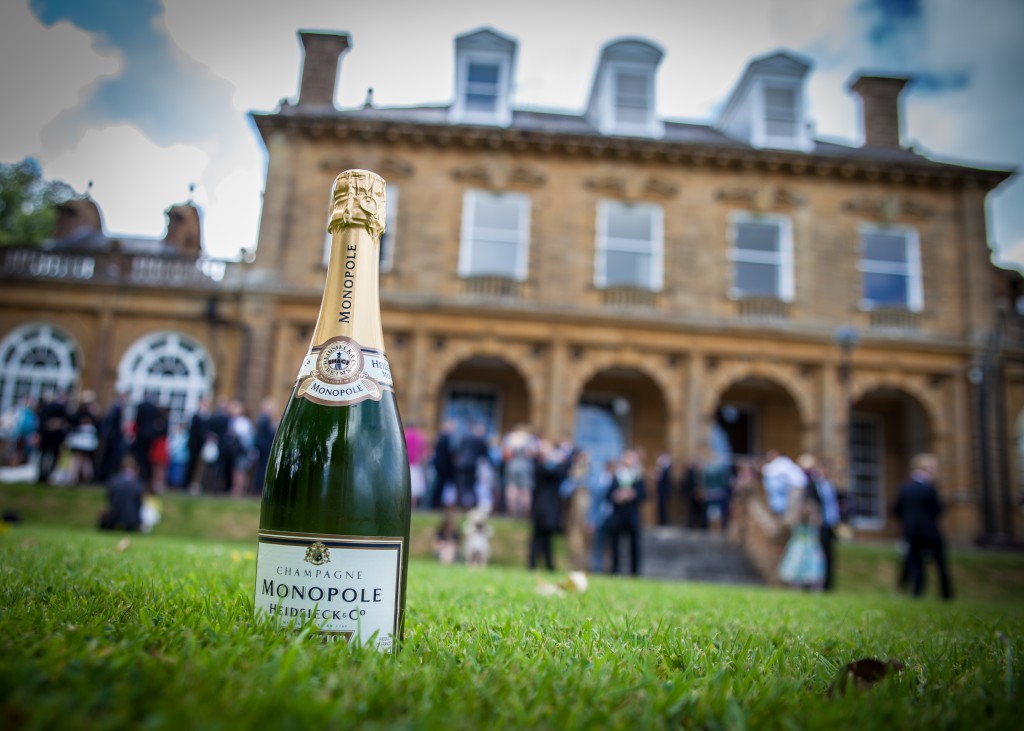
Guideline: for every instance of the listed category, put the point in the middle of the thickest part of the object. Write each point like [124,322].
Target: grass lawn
[158,634]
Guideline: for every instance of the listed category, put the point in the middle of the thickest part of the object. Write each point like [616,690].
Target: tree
[28,203]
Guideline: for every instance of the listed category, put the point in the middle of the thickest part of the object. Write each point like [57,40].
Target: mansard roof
[572,133]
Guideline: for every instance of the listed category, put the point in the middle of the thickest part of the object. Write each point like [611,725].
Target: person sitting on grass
[124,498]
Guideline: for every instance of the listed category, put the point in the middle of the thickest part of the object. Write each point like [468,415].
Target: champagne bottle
[334,521]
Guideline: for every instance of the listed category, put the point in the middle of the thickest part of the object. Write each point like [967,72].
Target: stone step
[693,555]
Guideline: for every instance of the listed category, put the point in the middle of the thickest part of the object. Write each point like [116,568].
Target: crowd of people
[136,450]
[218,449]
[550,483]
[597,508]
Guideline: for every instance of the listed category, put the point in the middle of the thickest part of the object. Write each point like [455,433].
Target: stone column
[420,412]
[693,406]
[558,406]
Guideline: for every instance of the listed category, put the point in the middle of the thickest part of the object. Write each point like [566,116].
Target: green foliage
[158,634]
[27,201]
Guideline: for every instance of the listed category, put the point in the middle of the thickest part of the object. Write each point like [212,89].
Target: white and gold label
[347,586]
[340,372]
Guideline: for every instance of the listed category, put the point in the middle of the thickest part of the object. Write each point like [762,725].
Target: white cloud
[232,211]
[37,83]
[404,50]
[134,193]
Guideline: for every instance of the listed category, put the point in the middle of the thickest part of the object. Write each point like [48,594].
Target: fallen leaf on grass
[867,672]
[574,583]
[123,545]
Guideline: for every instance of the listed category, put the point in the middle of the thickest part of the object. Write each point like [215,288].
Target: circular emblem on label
[340,361]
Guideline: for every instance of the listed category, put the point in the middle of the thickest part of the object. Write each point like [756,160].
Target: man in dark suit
[471,449]
[626,492]
[918,507]
[444,464]
[54,425]
[197,428]
[147,417]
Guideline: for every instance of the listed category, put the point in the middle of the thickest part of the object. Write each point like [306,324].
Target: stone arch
[36,358]
[596,362]
[169,368]
[623,406]
[474,362]
[890,424]
[785,376]
[914,386]
[460,351]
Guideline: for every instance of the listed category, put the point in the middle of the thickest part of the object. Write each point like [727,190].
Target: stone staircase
[692,555]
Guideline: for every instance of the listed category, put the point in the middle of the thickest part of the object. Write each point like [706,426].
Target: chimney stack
[880,105]
[322,54]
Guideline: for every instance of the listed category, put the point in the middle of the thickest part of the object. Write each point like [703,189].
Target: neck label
[340,372]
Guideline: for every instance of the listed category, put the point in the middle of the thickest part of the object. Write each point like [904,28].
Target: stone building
[617,277]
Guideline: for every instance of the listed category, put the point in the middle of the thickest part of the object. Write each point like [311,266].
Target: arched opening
[622,408]
[169,369]
[488,390]
[888,427]
[754,415]
[35,360]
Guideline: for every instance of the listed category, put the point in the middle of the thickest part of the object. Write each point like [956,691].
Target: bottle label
[348,586]
[340,372]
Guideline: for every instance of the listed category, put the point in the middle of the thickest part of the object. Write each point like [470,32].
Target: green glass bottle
[334,522]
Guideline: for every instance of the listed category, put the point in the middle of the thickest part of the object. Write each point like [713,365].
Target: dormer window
[482,87]
[622,97]
[766,109]
[633,98]
[484,66]
[780,112]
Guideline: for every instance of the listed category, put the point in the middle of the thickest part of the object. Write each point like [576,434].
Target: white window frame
[387,242]
[785,284]
[799,140]
[609,116]
[875,520]
[655,246]
[911,269]
[502,114]
[134,374]
[19,364]
[470,239]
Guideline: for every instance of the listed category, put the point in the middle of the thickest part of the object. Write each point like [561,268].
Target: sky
[146,99]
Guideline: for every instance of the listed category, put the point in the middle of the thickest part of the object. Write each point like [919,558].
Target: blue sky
[148,97]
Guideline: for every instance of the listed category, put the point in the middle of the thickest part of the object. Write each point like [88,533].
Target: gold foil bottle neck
[357,199]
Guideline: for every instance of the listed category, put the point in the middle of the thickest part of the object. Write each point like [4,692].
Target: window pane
[497,235]
[631,90]
[481,102]
[482,87]
[884,247]
[481,73]
[496,212]
[886,289]
[757,236]
[780,128]
[631,97]
[495,258]
[757,279]
[780,102]
[626,223]
[627,269]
